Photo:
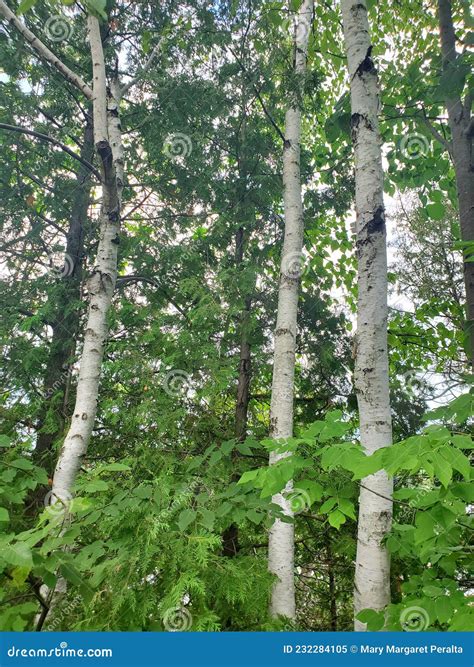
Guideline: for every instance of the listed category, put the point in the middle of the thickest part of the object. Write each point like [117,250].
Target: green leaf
[227,447]
[314,490]
[457,460]
[143,491]
[196,462]
[22,464]
[146,37]
[96,485]
[463,490]
[462,621]
[49,579]
[186,518]
[248,476]
[97,8]
[347,507]
[244,448]
[223,509]
[116,467]
[215,457]
[207,518]
[336,519]
[373,619]
[4,515]
[442,469]
[5,441]
[463,441]
[17,554]
[433,591]
[255,516]
[25,5]
[444,609]
[436,211]
[327,505]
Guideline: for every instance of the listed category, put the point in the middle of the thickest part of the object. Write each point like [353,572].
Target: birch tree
[65,324]
[105,96]
[281,538]
[101,283]
[372,576]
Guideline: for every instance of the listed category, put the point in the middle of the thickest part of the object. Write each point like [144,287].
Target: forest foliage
[167,526]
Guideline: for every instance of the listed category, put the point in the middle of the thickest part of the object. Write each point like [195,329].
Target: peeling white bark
[372,577]
[281,537]
[101,284]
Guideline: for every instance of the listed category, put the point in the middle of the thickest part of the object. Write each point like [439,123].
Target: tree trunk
[66,321]
[332,586]
[230,536]
[281,537]
[461,124]
[372,576]
[243,384]
[101,283]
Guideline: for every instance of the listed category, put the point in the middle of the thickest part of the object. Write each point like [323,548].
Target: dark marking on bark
[356,120]
[377,224]
[113,215]
[367,65]
[282,332]
[116,240]
[84,416]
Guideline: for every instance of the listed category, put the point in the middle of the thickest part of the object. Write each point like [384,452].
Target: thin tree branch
[257,94]
[143,70]
[155,283]
[437,135]
[45,53]
[51,140]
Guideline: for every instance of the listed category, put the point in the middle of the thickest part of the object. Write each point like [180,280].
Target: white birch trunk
[372,576]
[281,538]
[101,283]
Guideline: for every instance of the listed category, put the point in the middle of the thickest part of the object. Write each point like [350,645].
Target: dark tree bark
[230,537]
[461,123]
[332,587]
[243,384]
